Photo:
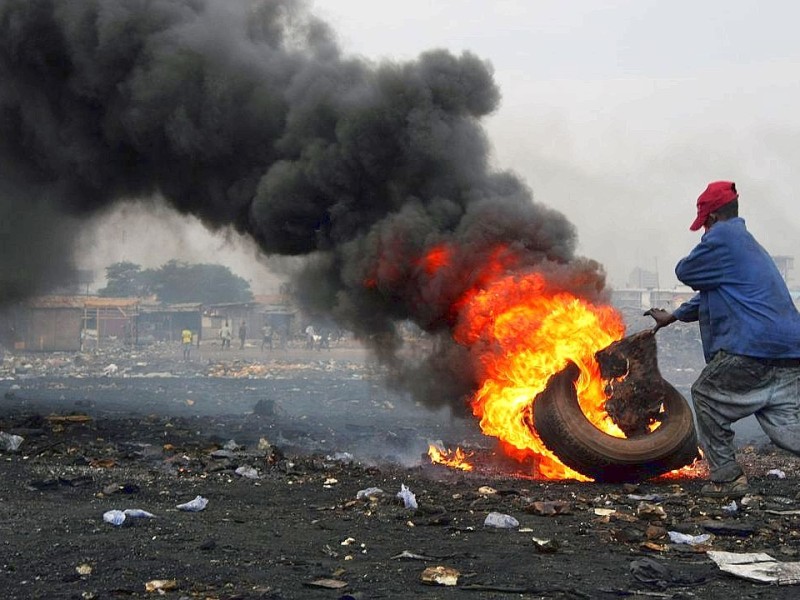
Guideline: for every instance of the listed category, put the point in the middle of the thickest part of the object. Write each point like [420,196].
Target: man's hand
[661,316]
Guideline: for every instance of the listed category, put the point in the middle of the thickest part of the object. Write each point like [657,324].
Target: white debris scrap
[110,370]
[500,521]
[407,496]
[758,567]
[370,492]
[683,538]
[196,505]
[247,472]
[118,517]
[10,442]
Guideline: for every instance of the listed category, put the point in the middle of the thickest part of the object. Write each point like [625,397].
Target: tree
[220,284]
[125,279]
[177,281]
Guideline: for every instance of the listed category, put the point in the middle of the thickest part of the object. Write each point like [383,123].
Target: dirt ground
[318,428]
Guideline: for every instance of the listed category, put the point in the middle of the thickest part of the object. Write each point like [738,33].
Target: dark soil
[329,430]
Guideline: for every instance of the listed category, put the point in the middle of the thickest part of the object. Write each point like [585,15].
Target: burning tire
[565,430]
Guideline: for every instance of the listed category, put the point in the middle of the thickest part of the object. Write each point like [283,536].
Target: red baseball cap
[717,195]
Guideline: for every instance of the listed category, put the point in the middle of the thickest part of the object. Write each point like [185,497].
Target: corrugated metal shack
[214,315]
[277,312]
[49,323]
[164,322]
[106,319]
[72,323]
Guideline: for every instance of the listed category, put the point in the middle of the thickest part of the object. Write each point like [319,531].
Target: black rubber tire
[565,430]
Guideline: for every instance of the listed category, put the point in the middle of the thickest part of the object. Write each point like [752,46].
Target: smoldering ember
[403,455]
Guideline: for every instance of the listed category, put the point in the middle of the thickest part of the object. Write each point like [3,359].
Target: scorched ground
[152,442]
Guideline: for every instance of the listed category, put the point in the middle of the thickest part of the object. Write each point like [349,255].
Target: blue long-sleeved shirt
[742,304]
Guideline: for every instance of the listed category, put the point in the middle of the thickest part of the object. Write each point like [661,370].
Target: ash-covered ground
[285,445]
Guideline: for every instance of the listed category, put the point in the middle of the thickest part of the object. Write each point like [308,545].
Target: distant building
[640,278]
[164,322]
[278,314]
[72,323]
[215,315]
[641,298]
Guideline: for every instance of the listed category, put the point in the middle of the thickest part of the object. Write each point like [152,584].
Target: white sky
[619,112]
[616,112]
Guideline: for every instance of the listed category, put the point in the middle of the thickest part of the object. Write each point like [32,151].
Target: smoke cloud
[246,115]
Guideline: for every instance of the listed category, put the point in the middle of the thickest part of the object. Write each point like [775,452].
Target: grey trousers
[732,387]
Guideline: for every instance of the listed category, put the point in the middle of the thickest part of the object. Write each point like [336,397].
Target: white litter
[407,496]
[500,521]
[199,503]
[110,370]
[344,457]
[370,492]
[118,517]
[10,442]
[247,472]
[115,517]
[682,538]
[758,567]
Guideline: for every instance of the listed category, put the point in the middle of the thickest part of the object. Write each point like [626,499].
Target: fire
[697,470]
[522,331]
[456,459]
[435,259]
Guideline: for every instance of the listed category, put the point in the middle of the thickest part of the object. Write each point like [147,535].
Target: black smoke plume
[245,114]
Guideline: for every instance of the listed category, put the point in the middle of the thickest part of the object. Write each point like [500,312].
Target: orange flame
[456,459]
[697,470]
[524,332]
[520,330]
[435,259]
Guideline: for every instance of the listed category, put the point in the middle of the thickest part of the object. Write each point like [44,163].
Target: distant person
[310,334]
[324,340]
[242,335]
[186,340]
[283,338]
[225,334]
[750,331]
[266,337]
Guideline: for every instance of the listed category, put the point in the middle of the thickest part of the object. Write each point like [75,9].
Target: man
[242,335]
[266,336]
[225,335]
[310,333]
[750,331]
[186,340]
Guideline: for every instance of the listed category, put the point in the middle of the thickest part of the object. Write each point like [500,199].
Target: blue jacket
[742,304]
